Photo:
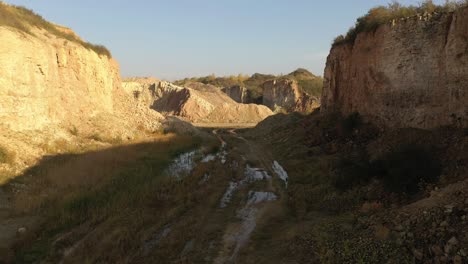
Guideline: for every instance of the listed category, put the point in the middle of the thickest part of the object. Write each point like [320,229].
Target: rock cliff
[285,94]
[56,88]
[46,80]
[239,94]
[196,102]
[409,72]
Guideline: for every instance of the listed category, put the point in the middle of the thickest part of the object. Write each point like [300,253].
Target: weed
[382,14]
[23,19]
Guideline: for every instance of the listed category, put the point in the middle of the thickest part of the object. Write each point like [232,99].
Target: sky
[173,39]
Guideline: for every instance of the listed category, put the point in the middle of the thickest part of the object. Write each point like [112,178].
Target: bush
[382,14]
[6,156]
[23,19]
[406,168]
[352,170]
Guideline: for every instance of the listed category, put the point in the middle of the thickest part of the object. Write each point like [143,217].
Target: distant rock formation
[239,94]
[285,94]
[410,72]
[298,91]
[196,102]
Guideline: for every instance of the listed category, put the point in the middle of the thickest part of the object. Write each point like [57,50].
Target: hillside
[195,102]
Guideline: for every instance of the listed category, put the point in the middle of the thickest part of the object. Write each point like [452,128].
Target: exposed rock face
[239,94]
[54,90]
[201,103]
[408,73]
[285,94]
[46,81]
[197,102]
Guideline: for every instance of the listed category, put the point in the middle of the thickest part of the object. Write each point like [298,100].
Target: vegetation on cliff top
[23,19]
[382,14]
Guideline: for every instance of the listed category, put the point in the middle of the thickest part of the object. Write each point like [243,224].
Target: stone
[418,254]
[457,260]
[453,241]
[463,252]
[444,224]
[22,230]
[436,250]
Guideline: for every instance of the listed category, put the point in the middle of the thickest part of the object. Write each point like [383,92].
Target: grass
[24,19]
[383,14]
[117,199]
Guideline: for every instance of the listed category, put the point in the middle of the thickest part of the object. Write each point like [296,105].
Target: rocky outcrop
[49,81]
[196,102]
[285,94]
[56,94]
[239,94]
[408,73]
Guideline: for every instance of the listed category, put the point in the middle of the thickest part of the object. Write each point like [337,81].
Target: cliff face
[408,73]
[47,81]
[238,93]
[286,94]
[196,102]
[56,94]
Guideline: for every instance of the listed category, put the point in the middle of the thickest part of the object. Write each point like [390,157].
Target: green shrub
[312,87]
[406,168]
[382,14]
[23,19]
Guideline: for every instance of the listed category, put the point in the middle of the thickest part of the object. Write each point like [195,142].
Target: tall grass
[24,19]
[383,14]
[103,189]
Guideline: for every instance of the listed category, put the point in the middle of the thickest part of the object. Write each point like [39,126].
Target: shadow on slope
[104,203]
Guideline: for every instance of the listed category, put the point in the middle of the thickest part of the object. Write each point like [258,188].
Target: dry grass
[23,19]
[116,198]
[383,14]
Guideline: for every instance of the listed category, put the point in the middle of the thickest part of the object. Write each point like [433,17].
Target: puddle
[208,158]
[255,174]
[251,175]
[248,215]
[278,169]
[259,197]
[182,165]
[226,199]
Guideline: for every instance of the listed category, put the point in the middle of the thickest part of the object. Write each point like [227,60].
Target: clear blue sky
[172,39]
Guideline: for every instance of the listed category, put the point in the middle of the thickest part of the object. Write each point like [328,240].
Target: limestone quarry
[96,168]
